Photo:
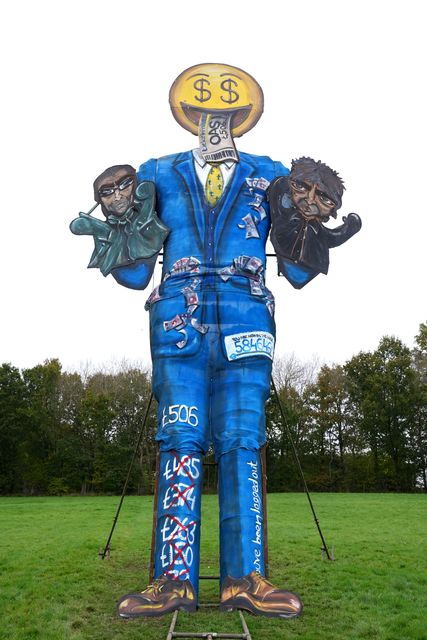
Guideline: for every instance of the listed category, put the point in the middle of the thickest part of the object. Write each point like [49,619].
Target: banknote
[201,328]
[176,323]
[215,141]
[256,289]
[195,282]
[253,265]
[191,296]
[226,273]
[152,298]
[257,205]
[241,261]
[181,343]
[191,309]
[185,264]
[258,183]
[251,230]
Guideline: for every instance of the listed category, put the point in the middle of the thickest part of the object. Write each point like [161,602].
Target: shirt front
[202,168]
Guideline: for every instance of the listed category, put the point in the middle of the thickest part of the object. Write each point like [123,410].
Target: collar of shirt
[202,168]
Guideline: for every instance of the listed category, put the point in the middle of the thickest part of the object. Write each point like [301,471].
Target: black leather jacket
[300,240]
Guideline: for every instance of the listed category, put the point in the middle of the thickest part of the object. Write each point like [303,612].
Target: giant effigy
[212,330]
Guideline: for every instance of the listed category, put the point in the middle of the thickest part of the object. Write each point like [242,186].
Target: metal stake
[291,440]
[107,546]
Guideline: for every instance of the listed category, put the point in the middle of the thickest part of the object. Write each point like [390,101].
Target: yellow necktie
[214,185]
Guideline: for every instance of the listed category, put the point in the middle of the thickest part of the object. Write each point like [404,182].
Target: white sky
[85,85]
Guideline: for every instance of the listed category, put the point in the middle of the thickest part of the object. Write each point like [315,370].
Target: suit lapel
[244,169]
[185,167]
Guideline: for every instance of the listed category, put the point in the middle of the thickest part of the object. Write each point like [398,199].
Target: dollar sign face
[204,94]
[216,88]
[233,96]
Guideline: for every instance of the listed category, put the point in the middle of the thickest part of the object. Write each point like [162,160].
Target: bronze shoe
[161,597]
[257,595]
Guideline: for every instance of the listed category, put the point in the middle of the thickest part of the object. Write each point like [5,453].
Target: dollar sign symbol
[233,96]
[204,94]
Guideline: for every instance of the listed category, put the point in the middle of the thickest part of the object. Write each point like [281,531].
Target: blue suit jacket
[217,238]
[181,206]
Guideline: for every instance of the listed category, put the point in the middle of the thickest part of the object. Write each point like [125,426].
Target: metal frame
[208,635]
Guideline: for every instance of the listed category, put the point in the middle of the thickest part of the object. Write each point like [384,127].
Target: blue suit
[212,341]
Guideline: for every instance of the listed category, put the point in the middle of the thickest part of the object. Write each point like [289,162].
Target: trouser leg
[241,537]
[241,513]
[177,551]
[183,434]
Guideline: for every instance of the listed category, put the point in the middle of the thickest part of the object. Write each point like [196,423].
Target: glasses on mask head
[108,190]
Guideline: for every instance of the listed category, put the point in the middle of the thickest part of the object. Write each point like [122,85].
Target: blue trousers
[213,388]
[177,552]
[211,382]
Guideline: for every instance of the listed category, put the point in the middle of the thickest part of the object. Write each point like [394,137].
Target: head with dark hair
[316,189]
[114,189]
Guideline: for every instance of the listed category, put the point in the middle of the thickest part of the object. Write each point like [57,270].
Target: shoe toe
[131,605]
[291,605]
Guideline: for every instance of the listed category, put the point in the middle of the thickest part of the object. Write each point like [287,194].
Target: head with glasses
[114,189]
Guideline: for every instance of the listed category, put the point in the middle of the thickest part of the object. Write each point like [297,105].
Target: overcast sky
[85,86]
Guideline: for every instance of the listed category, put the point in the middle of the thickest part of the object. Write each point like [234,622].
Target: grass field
[53,586]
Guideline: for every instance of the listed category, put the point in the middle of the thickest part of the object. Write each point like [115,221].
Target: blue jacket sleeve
[136,275]
[280,169]
[147,171]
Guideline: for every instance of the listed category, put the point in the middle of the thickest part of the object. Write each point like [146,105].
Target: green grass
[53,586]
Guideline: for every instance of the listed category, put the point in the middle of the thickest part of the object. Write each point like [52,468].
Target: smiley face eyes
[227,91]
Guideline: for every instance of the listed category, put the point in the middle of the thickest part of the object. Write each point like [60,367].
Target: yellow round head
[213,88]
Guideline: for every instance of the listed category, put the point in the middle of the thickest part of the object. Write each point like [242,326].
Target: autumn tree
[418,430]
[382,391]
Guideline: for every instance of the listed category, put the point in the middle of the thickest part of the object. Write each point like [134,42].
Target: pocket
[173,332]
[248,330]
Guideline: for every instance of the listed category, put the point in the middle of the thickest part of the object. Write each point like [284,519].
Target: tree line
[361,426]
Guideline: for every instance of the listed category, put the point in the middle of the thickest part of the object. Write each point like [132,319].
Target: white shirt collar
[202,162]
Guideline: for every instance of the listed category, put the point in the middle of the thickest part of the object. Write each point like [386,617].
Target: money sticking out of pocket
[216,142]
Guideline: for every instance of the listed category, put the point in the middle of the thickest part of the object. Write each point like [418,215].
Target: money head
[316,189]
[114,189]
[216,88]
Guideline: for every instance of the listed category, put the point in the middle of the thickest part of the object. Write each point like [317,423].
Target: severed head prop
[300,204]
[114,189]
[132,232]
[316,190]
